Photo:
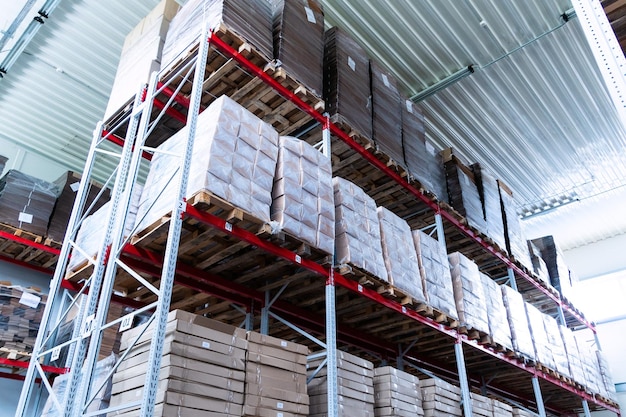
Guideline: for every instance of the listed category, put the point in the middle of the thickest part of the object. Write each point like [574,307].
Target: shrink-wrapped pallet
[463,193]
[396,393]
[543,352]
[501,409]
[605,376]
[26,202]
[423,161]
[302,197]
[589,361]
[435,272]
[357,229]
[490,196]
[399,254]
[556,346]
[234,158]
[21,310]
[440,399]
[355,387]
[299,40]
[515,239]
[539,265]
[576,370]
[276,375]
[250,20]
[518,322]
[347,81]
[386,113]
[469,295]
[481,406]
[498,324]
[560,276]
[68,185]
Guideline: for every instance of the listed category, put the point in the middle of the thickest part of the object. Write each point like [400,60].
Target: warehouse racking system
[268,279]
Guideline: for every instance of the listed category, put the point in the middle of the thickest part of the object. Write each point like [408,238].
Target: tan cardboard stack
[396,393]
[440,399]
[589,361]
[573,356]
[435,272]
[543,353]
[355,380]
[518,412]
[556,346]
[499,328]
[202,368]
[357,229]
[21,310]
[481,406]
[469,295]
[501,409]
[275,378]
[302,198]
[400,255]
[516,314]
[605,376]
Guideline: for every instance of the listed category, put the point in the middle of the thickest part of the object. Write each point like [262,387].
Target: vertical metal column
[561,315]
[586,410]
[265,315]
[441,237]
[541,409]
[463,383]
[597,340]
[512,281]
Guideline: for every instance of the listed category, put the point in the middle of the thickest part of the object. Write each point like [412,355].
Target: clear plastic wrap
[605,375]
[396,393]
[469,295]
[589,361]
[539,266]
[518,322]
[515,237]
[463,194]
[386,113]
[357,229]
[556,346]
[303,196]
[440,398]
[555,261]
[490,196]
[435,272]
[543,352]
[501,409]
[481,406]
[573,356]
[399,254]
[499,328]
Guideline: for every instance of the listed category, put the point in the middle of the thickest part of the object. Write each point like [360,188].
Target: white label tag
[386,80]
[359,288]
[206,345]
[351,63]
[56,352]
[298,259]
[283,343]
[310,16]
[30,300]
[280,406]
[403,310]
[409,106]
[127,322]
[228,227]
[25,217]
[74,186]
[279,414]
[88,326]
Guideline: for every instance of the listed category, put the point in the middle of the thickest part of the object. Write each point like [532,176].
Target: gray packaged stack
[543,353]
[573,356]
[400,255]
[423,160]
[469,295]
[396,393]
[539,266]
[589,360]
[202,368]
[440,399]
[302,197]
[481,406]
[435,272]
[501,409]
[556,346]
[555,261]
[515,238]
[355,387]
[386,113]
[347,81]
[605,374]
[276,375]
[357,229]
[251,20]
[490,196]
[234,157]
[518,322]
[26,202]
[299,40]
[499,328]
[463,194]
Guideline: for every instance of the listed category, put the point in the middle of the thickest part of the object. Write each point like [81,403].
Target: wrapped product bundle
[606,378]
[251,20]
[498,324]
[347,81]
[518,412]
[518,322]
[299,40]
[26,202]
[501,409]
[543,352]
[463,194]
[539,266]
[469,295]
[440,398]
[576,370]
[396,393]
[435,272]
[481,406]
[560,275]
[234,157]
[303,196]
[589,361]
[515,238]
[357,229]
[556,346]
[399,254]
[386,113]
[490,196]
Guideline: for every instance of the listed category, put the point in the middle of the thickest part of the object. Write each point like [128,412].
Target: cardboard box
[183,400]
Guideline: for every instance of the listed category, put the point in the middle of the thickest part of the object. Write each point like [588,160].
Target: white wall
[29,162]
[598,258]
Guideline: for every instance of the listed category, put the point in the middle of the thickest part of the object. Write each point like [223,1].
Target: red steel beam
[120,141]
[179,98]
[24,364]
[31,243]
[170,111]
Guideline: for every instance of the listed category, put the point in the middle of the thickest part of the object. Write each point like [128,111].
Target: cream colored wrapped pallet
[469,295]
[481,406]
[501,409]
[357,229]
[234,157]
[605,374]
[396,393]
[518,322]
[399,254]
[543,354]
[440,399]
[573,356]
[556,346]
[499,328]
[302,196]
[589,361]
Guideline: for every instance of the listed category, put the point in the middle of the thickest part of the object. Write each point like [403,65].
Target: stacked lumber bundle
[499,328]
[355,387]
[481,406]
[515,238]
[463,192]
[303,197]
[397,393]
[469,295]
[386,113]
[516,314]
[543,354]
[21,310]
[440,399]
[501,409]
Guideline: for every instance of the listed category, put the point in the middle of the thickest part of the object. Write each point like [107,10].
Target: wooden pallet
[474,334]
[14,354]
[26,253]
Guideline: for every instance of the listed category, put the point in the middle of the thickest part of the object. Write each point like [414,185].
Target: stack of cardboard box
[543,352]
[397,393]
[501,409]
[516,314]
[469,295]
[499,329]
[481,406]
[440,399]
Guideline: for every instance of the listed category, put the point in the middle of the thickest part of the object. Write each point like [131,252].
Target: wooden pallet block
[14,354]
[24,252]
[473,334]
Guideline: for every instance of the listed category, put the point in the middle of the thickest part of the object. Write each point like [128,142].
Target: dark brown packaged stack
[463,192]
[299,40]
[490,196]
[386,113]
[347,82]
[68,184]
[513,233]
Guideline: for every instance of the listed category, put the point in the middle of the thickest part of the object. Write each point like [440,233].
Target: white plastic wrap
[396,393]
[399,254]
[605,375]
[516,314]
[573,356]
[234,157]
[488,187]
[469,295]
[589,362]
[435,272]
[303,197]
[556,346]
[515,237]
[357,229]
[440,398]
[498,324]
[543,353]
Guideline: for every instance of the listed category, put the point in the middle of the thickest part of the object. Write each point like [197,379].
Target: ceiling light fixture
[569,15]
[445,83]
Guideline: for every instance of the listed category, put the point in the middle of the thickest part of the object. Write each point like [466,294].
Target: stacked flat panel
[539,266]
[589,361]
[481,406]
[397,393]
[605,374]
[386,113]
[499,328]
[555,261]
[463,194]
[440,399]
[515,239]
[576,369]
[518,412]
[556,346]
[469,294]
[543,353]
[518,322]
[501,409]
[490,196]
